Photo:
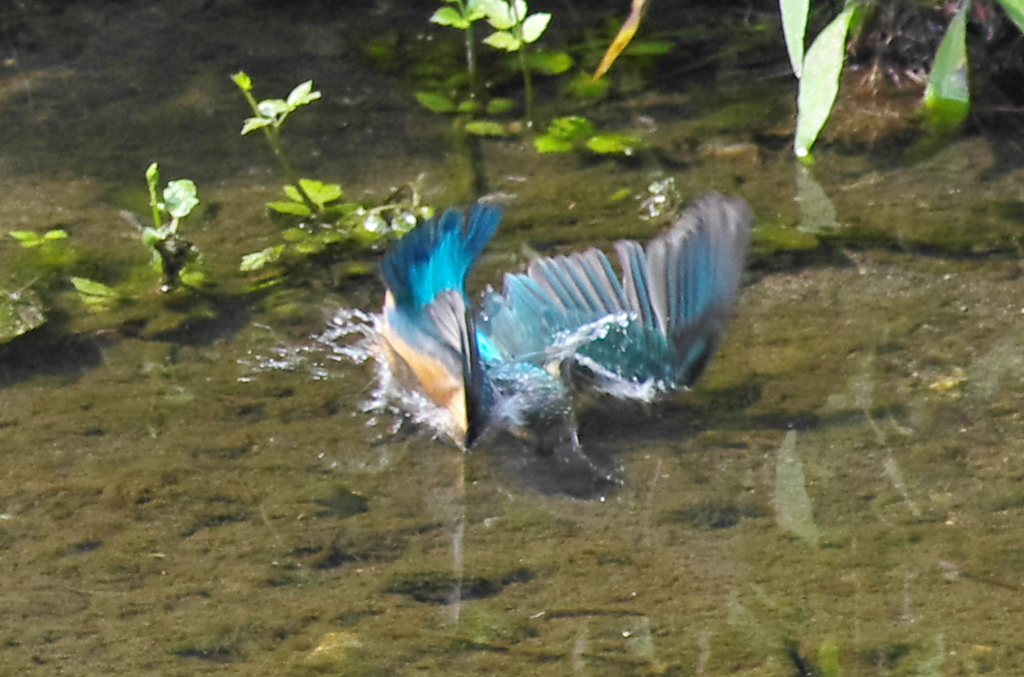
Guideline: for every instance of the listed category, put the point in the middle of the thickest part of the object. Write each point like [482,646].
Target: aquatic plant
[573,132]
[171,255]
[514,29]
[315,214]
[946,98]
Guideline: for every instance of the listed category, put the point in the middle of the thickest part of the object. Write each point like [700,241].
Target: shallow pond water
[211,497]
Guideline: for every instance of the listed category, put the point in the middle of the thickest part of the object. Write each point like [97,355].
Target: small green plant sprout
[28,239]
[172,256]
[269,116]
[514,29]
[47,257]
[573,132]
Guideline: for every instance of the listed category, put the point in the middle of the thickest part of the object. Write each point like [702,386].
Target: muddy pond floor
[210,496]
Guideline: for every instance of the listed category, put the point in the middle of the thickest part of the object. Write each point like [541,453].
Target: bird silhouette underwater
[568,324]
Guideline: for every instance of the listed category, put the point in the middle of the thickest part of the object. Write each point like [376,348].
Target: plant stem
[527,87]
[272,134]
[471,63]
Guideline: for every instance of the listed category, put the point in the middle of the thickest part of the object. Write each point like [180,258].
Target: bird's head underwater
[567,320]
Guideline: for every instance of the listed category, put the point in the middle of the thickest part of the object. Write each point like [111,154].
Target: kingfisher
[568,324]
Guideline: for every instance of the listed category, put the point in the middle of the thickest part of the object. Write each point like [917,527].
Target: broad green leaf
[449,16]
[435,102]
[1014,10]
[181,197]
[486,128]
[302,94]
[293,208]
[319,192]
[469,106]
[271,108]
[257,260]
[503,40]
[293,193]
[794,29]
[255,123]
[819,82]
[534,26]
[792,504]
[617,144]
[55,235]
[20,313]
[242,79]
[947,97]
[549,63]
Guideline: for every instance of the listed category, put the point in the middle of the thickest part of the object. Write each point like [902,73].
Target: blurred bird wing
[655,330]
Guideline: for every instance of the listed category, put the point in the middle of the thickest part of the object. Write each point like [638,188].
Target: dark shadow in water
[48,351]
[587,474]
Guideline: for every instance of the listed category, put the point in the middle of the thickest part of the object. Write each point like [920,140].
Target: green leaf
[502,15]
[192,278]
[547,143]
[93,288]
[792,504]
[302,95]
[242,79]
[181,197]
[257,260]
[272,108]
[26,238]
[1014,10]
[293,208]
[153,178]
[819,83]
[449,16]
[570,128]
[503,40]
[613,144]
[469,106]
[319,192]
[255,123]
[499,106]
[534,26]
[435,102]
[55,235]
[794,29]
[96,295]
[486,128]
[293,193]
[947,97]
[549,63]
[586,87]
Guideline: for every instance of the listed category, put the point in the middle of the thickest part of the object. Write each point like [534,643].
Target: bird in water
[569,323]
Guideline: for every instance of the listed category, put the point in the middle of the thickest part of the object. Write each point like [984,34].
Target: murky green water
[212,499]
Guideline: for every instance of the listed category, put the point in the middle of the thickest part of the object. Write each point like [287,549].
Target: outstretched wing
[654,331]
